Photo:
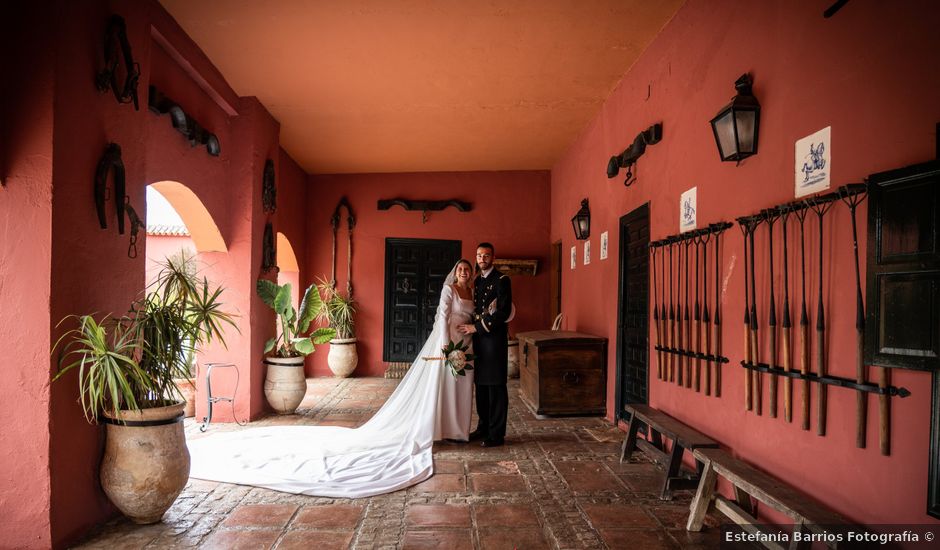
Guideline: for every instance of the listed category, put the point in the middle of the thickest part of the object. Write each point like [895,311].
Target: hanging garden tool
[800,210]
[662,313]
[672,315]
[743,224]
[756,397]
[852,196]
[706,318]
[717,320]
[680,328]
[770,217]
[688,317]
[785,323]
[659,353]
[697,337]
[820,205]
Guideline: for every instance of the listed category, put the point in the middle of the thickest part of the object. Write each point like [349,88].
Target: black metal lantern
[582,222]
[736,125]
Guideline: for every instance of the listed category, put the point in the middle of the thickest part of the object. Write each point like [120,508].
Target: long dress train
[389,452]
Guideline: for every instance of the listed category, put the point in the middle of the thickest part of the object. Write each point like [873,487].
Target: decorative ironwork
[110,162]
[116,48]
[268,188]
[268,250]
[425,206]
[351,223]
[160,104]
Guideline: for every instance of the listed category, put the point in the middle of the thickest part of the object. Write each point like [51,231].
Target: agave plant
[291,333]
[130,362]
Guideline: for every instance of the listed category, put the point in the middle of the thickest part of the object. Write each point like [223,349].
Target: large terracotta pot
[187,387]
[343,357]
[145,467]
[285,383]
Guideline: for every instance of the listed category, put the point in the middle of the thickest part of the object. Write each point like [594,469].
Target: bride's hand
[466,329]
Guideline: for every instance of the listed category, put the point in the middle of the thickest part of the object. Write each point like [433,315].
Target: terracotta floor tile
[444,540]
[505,515]
[442,483]
[580,467]
[632,538]
[672,516]
[438,515]
[319,540]
[442,466]
[619,516]
[493,467]
[590,483]
[644,483]
[340,423]
[238,539]
[328,516]
[261,515]
[497,483]
[520,539]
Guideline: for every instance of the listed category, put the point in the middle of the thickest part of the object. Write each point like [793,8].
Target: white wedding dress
[389,452]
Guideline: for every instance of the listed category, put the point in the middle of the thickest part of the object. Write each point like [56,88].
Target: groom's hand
[467,329]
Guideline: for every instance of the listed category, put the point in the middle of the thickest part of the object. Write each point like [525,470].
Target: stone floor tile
[521,539]
[590,483]
[442,483]
[505,515]
[448,466]
[240,539]
[619,516]
[328,516]
[260,515]
[644,483]
[444,540]
[581,467]
[493,467]
[632,538]
[318,540]
[438,515]
[497,483]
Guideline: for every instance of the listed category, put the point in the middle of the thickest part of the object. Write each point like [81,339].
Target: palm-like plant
[338,311]
[291,338]
[130,362]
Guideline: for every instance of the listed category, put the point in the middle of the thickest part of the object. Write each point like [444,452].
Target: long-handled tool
[688,317]
[852,196]
[756,398]
[697,339]
[659,343]
[672,317]
[785,323]
[743,223]
[820,206]
[716,337]
[706,320]
[770,217]
[800,211]
[680,328]
[662,314]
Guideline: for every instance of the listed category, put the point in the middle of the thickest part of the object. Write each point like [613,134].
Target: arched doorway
[288,269]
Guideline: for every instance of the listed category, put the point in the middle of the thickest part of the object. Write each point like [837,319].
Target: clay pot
[285,383]
[146,467]
[343,357]
[187,387]
[513,365]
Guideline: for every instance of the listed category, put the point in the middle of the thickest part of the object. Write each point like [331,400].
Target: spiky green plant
[338,311]
[291,331]
[130,362]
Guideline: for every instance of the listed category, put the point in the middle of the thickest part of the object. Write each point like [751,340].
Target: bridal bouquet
[457,358]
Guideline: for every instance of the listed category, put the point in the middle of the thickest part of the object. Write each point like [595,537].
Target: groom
[490,348]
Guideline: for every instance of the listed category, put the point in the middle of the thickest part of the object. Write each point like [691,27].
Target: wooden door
[414,274]
[633,310]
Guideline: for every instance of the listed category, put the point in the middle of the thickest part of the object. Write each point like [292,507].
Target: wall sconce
[630,155]
[736,125]
[582,222]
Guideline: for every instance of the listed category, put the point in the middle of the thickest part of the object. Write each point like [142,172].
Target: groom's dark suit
[490,349]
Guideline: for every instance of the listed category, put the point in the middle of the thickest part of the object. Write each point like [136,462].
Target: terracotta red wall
[508,210]
[809,72]
[25,232]
[291,216]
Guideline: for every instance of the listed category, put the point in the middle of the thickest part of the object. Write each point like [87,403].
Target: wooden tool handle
[708,362]
[688,359]
[755,374]
[821,390]
[659,354]
[773,377]
[747,373]
[787,381]
[804,368]
[884,403]
[680,359]
[717,362]
[861,398]
[698,360]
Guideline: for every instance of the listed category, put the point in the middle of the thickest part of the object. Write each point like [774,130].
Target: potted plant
[126,371]
[285,383]
[339,312]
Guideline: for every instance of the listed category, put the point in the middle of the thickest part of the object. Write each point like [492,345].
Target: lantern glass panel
[746,122]
[724,131]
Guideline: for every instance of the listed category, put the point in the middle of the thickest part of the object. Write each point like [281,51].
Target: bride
[389,452]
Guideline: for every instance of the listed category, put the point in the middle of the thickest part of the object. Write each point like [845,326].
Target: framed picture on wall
[574,256]
[604,245]
[587,252]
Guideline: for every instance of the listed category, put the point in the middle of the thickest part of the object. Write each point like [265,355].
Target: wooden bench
[808,515]
[683,437]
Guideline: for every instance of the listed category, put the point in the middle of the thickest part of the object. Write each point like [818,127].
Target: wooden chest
[563,372]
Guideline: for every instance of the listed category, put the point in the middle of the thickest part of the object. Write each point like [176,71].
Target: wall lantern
[582,222]
[736,125]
